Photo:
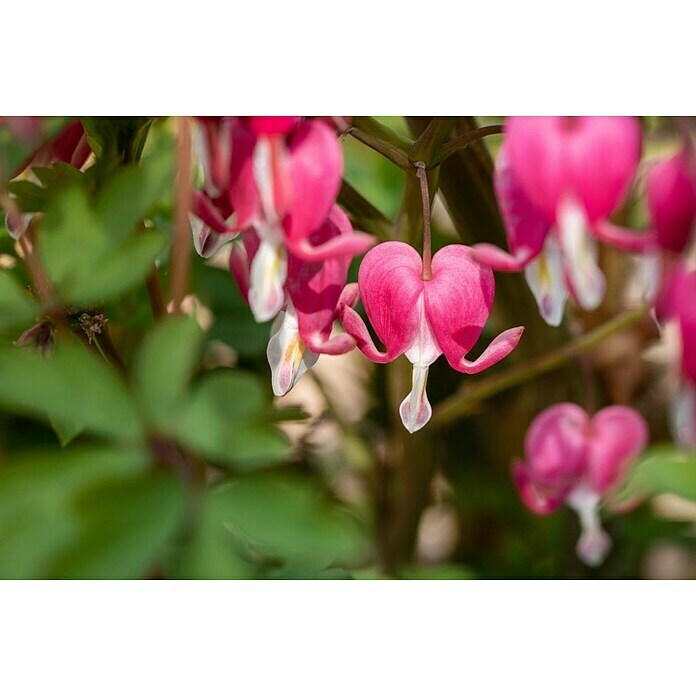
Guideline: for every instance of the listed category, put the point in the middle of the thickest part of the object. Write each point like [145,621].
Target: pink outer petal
[390,284]
[500,347]
[353,245]
[686,308]
[316,289]
[671,194]
[555,448]
[239,267]
[525,224]
[535,146]
[273,125]
[207,211]
[242,192]
[241,257]
[316,168]
[458,299]
[625,239]
[618,435]
[345,243]
[349,297]
[591,158]
[535,499]
[603,154]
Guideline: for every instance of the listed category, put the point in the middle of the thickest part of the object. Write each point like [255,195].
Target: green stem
[467,399]
[464,140]
[393,153]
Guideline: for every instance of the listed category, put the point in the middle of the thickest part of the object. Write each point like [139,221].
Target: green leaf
[233,324]
[14,153]
[65,429]
[72,384]
[133,190]
[72,242]
[125,528]
[16,307]
[84,261]
[228,420]
[38,493]
[213,553]
[120,271]
[287,518]
[164,365]
[662,469]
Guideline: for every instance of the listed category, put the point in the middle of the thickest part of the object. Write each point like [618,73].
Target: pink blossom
[677,302]
[671,198]
[425,318]
[557,180]
[576,459]
[283,178]
[311,299]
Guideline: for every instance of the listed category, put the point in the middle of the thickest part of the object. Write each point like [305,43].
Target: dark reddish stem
[181,251]
[425,195]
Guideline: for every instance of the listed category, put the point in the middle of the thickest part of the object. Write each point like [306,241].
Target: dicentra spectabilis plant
[141,365]
[312,296]
[423,309]
[275,180]
[578,460]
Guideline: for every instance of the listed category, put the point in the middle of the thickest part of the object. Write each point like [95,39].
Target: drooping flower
[578,460]
[557,180]
[425,318]
[284,176]
[311,300]
[677,302]
[671,198]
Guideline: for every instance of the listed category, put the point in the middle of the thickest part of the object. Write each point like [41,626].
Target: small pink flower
[558,179]
[671,198]
[310,299]
[425,318]
[283,177]
[577,460]
[677,302]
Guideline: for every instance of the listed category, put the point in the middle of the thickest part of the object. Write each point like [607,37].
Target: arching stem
[425,195]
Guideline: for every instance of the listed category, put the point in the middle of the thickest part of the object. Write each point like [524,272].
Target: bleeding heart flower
[671,198]
[425,318]
[577,460]
[311,301]
[284,176]
[677,301]
[557,181]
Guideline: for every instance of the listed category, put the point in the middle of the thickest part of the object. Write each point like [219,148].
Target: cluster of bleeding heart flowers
[270,188]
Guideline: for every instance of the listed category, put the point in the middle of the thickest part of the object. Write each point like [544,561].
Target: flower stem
[467,400]
[181,251]
[464,140]
[425,195]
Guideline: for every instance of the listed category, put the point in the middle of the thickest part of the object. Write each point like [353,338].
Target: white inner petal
[682,416]
[544,276]
[267,276]
[580,252]
[287,355]
[415,409]
[263,175]
[594,543]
